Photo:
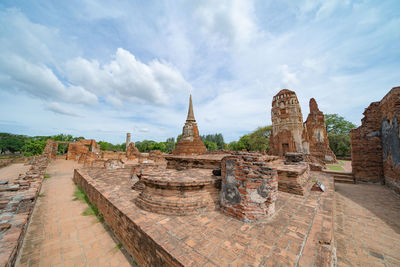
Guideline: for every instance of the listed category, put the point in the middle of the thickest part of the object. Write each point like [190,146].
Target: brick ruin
[375,145]
[190,142]
[82,146]
[290,134]
[17,200]
[249,187]
[317,135]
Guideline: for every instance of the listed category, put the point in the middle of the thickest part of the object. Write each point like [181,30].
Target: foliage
[340,144]
[336,124]
[33,146]
[258,140]
[11,142]
[218,139]
[211,146]
[338,130]
[145,145]
[106,146]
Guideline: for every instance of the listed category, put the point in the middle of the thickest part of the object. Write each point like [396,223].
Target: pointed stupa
[190,116]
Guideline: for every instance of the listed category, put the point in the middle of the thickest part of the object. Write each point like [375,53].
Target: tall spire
[190,116]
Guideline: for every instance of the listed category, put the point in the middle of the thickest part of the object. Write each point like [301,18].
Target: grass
[334,167]
[41,195]
[80,195]
[47,176]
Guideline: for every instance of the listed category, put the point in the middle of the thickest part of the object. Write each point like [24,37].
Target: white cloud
[18,74]
[59,109]
[127,79]
[289,79]
[229,21]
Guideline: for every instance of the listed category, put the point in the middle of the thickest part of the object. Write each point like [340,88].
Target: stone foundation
[294,179]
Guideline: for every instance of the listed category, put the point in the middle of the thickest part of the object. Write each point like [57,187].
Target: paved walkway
[367,225]
[11,172]
[59,235]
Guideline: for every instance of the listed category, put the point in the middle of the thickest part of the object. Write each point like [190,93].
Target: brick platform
[299,233]
[293,179]
[205,161]
[175,192]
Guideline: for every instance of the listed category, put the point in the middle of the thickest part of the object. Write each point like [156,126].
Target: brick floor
[294,236]
[58,235]
[367,225]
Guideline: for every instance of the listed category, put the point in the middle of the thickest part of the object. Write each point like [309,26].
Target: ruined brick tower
[190,143]
[317,135]
[288,132]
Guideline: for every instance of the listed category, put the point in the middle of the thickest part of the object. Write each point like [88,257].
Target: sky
[100,69]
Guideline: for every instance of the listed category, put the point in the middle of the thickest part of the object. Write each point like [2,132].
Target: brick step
[338,173]
[345,180]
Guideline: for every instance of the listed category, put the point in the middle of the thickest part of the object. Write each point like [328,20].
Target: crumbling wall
[249,187]
[80,147]
[317,135]
[376,143]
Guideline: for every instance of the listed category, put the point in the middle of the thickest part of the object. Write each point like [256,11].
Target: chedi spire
[190,116]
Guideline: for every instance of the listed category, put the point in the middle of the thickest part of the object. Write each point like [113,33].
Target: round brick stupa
[190,143]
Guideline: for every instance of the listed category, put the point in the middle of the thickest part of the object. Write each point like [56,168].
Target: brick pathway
[367,225]
[59,235]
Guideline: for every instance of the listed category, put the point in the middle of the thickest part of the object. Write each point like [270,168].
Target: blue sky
[100,69]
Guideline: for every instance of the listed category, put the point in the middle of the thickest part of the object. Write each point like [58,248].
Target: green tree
[211,146]
[34,147]
[259,139]
[218,139]
[336,124]
[338,129]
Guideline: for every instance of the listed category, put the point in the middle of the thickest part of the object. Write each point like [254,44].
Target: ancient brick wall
[249,187]
[82,146]
[390,134]
[317,135]
[376,143]
[366,147]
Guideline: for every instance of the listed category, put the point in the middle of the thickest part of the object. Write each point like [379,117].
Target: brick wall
[376,143]
[249,187]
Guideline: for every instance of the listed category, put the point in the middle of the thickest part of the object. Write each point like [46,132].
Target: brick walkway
[59,235]
[367,225]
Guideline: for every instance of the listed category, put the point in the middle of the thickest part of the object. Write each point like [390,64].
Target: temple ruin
[290,134]
[190,142]
[224,207]
[375,145]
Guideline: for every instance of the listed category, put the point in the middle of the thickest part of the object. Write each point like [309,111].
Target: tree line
[338,129]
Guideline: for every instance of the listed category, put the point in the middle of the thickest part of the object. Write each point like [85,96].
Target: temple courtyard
[366,226]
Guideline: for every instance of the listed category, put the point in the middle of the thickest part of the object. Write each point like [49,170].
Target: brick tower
[190,143]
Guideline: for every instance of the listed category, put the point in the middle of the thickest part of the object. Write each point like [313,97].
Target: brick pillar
[249,187]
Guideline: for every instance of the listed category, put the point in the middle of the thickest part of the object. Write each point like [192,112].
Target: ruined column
[128,140]
[249,187]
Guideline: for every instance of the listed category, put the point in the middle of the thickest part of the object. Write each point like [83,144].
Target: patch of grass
[334,167]
[119,246]
[47,176]
[80,195]
[41,195]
